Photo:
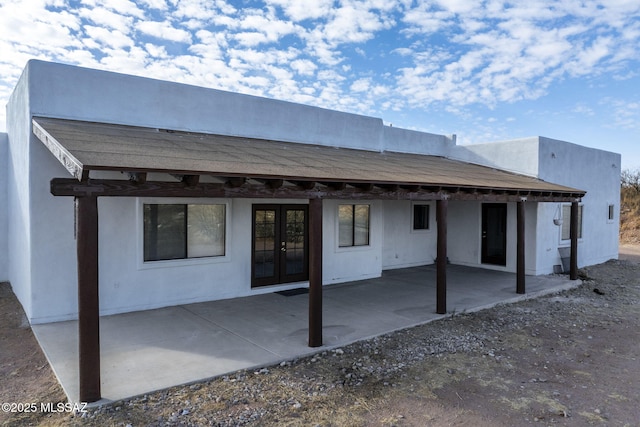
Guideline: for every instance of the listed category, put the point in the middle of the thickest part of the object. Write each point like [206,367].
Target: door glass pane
[265,233]
[496,227]
[361,224]
[206,230]
[295,234]
[165,236]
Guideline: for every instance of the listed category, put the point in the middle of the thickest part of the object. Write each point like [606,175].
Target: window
[175,231]
[611,212]
[566,223]
[420,217]
[353,226]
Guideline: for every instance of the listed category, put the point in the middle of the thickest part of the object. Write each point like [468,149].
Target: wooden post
[315,272]
[88,305]
[520,278]
[441,262]
[573,235]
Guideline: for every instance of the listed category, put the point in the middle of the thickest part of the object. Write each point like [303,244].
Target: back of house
[259,162]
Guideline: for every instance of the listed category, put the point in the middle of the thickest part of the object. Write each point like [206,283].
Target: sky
[485,70]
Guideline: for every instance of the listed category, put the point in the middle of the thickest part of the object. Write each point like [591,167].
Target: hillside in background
[630,207]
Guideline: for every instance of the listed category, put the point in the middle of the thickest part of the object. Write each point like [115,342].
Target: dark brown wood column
[573,235]
[315,272]
[441,262]
[520,249]
[88,305]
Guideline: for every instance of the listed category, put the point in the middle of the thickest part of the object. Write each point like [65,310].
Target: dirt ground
[570,359]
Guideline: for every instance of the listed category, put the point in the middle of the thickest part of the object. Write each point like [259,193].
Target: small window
[420,217]
[175,231]
[353,226]
[566,223]
[611,212]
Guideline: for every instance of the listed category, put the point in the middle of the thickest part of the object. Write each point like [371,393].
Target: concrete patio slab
[151,350]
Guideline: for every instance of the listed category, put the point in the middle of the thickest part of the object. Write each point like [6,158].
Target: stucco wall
[18,192]
[85,94]
[403,246]
[519,155]
[597,172]
[4,209]
[129,284]
[409,141]
[464,244]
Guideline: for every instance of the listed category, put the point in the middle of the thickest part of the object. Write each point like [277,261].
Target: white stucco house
[230,195]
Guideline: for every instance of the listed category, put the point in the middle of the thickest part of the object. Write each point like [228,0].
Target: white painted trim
[432,221]
[187,262]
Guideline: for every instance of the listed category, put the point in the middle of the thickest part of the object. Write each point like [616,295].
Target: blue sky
[484,70]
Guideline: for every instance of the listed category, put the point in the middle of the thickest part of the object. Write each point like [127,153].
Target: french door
[279,244]
[494,233]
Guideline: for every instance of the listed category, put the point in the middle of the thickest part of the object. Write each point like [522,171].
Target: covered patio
[198,165]
[150,350]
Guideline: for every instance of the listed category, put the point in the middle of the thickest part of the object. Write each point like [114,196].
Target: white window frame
[567,220]
[611,220]
[353,247]
[144,265]
[431,218]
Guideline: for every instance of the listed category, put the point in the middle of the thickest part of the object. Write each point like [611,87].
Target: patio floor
[150,350]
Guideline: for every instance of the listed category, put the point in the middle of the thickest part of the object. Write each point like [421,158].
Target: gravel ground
[566,359]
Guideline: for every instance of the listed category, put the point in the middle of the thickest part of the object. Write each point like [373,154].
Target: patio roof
[83,147]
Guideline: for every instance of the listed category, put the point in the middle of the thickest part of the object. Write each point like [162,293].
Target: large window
[175,231]
[566,222]
[353,225]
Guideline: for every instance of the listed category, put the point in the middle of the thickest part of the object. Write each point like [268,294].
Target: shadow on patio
[150,350]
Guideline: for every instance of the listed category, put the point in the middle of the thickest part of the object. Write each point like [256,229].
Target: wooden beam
[363,186]
[235,182]
[125,188]
[138,177]
[335,185]
[573,235]
[190,180]
[88,304]
[315,272]
[305,185]
[441,261]
[272,183]
[410,188]
[389,187]
[71,163]
[520,248]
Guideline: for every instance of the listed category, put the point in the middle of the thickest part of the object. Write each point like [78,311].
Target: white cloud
[360,85]
[301,10]
[110,38]
[582,108]
[155,4]
[446,55]
[156,51]
[625,114]
[124,7]
[164,30]
[304,67]
[250,39]
[106,18]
